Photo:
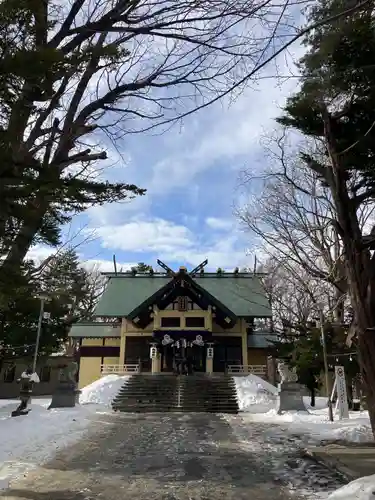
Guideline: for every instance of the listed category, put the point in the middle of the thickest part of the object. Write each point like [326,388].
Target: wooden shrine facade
[144,322]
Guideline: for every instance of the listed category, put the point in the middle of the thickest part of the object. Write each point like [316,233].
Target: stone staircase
[146,393]
[171,393]
[209,393]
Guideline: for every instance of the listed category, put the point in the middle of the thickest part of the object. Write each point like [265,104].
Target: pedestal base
[290,397]
[16,413]
[65,396]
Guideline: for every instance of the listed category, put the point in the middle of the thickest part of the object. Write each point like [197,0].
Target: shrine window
[170,322]
[192,322]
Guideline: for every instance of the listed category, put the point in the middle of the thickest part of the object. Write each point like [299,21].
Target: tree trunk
[366,342]
[360,265]
[22,242]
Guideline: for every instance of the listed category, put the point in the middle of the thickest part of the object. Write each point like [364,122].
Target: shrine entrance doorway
[175,351]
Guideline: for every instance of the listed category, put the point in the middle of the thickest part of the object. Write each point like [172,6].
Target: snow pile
[354,431]
[254,394]
[317,427]
[257,398]
[360,489]
[103,391]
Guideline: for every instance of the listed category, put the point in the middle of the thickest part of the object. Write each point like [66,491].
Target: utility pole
[325,358]
[43,299]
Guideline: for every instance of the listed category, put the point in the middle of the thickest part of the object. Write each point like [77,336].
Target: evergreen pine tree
[335,108]
[67,286]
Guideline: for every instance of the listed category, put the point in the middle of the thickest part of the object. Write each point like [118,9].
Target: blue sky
[191,174]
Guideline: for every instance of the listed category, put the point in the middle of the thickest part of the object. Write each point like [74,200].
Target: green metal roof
[243,294]
[126,292]
[95,330]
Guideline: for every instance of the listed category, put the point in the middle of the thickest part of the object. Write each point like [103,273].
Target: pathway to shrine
[166,457]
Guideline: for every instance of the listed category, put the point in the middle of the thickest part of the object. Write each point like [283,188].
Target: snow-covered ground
[257,403]
[33,439]
[361,489]
[257,399]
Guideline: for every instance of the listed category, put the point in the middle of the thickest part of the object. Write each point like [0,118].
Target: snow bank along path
[254,394]
[35,438]
[360,489]
[257,402]
[103,391]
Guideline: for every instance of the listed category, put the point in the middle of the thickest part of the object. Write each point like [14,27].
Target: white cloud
[107,266]
[221,224]
[155,235]
[223,132]
[220,252]
[38,253]
[116,213]
[216,142]
[177,243]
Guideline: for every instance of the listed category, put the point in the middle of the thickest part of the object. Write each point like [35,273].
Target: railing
[119,369]
[259,370]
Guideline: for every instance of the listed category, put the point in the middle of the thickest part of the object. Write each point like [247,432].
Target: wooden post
[328,384]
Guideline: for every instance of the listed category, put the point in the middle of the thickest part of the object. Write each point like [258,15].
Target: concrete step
[205,400]
[207,388]
[189,404]
[144,391]
[148,408]
[125,400]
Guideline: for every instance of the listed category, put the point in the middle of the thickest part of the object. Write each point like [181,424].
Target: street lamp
[43,299]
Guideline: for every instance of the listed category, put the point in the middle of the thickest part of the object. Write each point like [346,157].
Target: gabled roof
[125,292]
[183,284]
[243,294]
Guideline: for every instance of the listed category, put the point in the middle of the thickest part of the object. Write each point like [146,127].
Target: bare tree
[95,285]
[97,71]
[294,217]
[80,72]
[74,239]
[295,296]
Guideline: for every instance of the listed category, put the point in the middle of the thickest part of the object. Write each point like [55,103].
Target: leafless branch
[127,66]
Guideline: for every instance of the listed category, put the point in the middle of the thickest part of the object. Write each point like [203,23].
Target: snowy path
[281,452]
[163,457]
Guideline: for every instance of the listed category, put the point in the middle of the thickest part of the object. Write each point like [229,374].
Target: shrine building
[144,323]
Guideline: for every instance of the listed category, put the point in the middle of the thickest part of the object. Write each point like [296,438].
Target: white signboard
[153,352]
[210,352]
[342,397]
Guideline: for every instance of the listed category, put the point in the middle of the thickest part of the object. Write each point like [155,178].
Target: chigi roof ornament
[199,268]
[166,268]
[183,269]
